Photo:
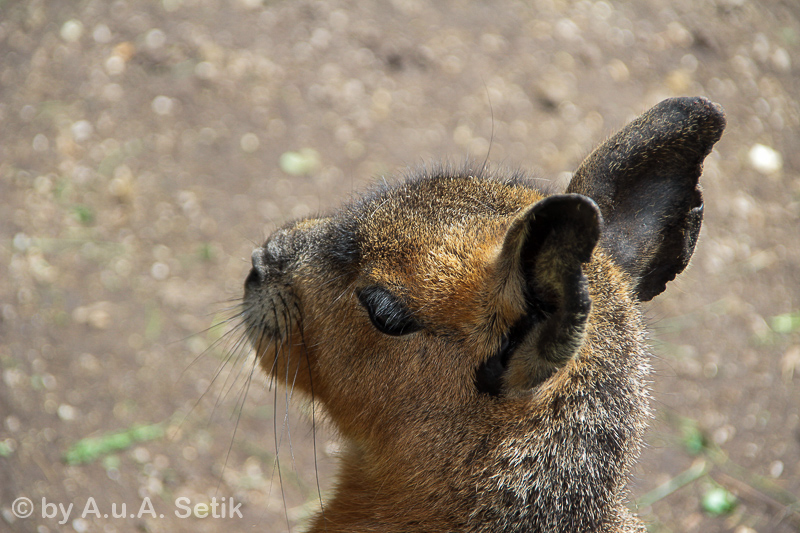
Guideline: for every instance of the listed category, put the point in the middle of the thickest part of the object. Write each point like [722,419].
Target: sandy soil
[146,146]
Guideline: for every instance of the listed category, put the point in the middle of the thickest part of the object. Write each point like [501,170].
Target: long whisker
[239,405]
[227,390]
[233,439]
[277,455]
[236,353]
[223,338]
[289,388]
[313,425]
[238,349]
[238,307]
[219,370]
[491,137]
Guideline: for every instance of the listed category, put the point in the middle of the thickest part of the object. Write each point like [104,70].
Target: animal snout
[271,260]
[266,261]
[259,270]
[258,274]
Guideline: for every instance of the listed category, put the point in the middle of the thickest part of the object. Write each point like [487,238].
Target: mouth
[270,314]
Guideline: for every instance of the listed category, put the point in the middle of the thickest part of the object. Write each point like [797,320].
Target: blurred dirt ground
[146,146]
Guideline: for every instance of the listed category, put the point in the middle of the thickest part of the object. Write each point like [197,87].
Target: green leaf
[207,252]
[785,323]
[83,213]
[300,163]
[717,501]
[5,449]
[693,439]
[92,448]
[153,322]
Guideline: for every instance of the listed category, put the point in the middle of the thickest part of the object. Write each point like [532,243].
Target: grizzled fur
[477,342]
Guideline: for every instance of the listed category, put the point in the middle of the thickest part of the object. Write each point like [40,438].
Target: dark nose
[258,274]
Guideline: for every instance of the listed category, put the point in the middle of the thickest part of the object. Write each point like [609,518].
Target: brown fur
[478,343]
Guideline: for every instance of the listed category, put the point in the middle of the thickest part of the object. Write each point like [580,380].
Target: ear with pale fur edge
[645,181]
[544,249]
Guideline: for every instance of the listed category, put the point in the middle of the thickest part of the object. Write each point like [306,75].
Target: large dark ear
[541,267]
[645,181]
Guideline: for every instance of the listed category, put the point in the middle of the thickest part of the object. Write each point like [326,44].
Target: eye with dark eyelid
[388,315]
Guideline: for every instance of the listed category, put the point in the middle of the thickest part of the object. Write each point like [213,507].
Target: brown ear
[541,265]
[645,181]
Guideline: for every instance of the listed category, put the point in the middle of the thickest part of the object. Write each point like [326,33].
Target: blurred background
[147,146]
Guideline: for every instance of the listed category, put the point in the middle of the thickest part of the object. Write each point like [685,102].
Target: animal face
[397,298]
[489,326]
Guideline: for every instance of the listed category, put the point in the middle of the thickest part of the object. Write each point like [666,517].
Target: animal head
[409,290]
[456,293]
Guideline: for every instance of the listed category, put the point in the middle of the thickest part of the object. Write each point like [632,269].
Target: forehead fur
[432,209]
[432,238]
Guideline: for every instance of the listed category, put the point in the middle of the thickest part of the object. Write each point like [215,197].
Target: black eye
[387,314]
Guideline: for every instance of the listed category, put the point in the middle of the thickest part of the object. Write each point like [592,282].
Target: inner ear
[645,181]
[541,274]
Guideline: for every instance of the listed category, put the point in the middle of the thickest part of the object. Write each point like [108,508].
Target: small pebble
[162,105]
[67,412]
[141,454]
[21,242]
[765,159]
[160,271]
[40,143]
[101,34]
[115,65]
[155,38]
[72,30]
[776,469]
[82,130]
[13,423]
[249,142]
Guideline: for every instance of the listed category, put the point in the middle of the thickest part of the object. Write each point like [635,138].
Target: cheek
[286,359]
[364,376]
[349,355]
